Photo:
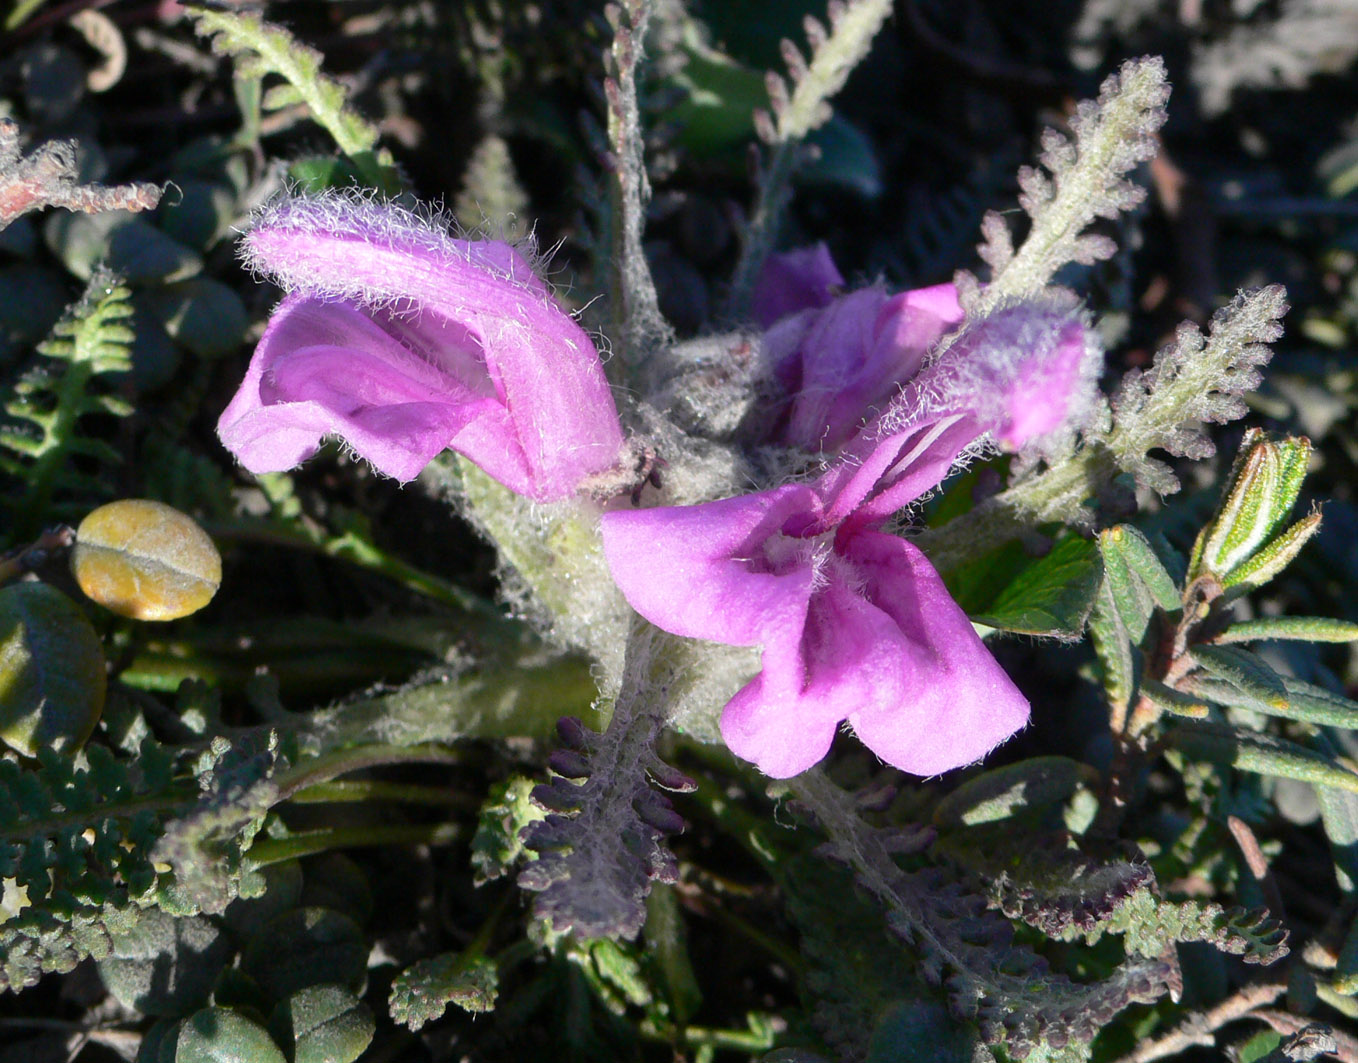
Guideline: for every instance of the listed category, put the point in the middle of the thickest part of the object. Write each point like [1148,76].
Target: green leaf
[203,314]
[1302,702]
[846,160]
[717,113]
[423,991]
[1339,815]
[1050,595]
[1246,672]
[51,670]
[1167,699]
[1273,558]
[325,1024]
[216,1035]
[1141,559]
[304,947]
[915,1031]
[667,948]
[1113,646]
[201,213]
[1263,487]
[126,243]
[1261,754]
[159,1042]
[164,965]
[143,559]
[997,794]
[1304,628]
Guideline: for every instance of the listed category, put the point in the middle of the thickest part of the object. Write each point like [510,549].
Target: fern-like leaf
[1194,379]
[796,113]
[602,844]
[46,426]
[262,48]
[75,854]
[1085,179]
[1006,989]
[205,847]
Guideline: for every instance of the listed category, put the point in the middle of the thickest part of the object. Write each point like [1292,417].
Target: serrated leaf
[1050,595]
[997,794]
[1304,628]
[423,991]
[1246,672]
[52,678]
[219,1035]
[1261,754]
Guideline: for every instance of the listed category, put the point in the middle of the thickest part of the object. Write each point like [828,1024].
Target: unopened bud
[1245,543]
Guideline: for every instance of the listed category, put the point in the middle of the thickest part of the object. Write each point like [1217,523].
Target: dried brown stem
[47,177]
[1200,1028]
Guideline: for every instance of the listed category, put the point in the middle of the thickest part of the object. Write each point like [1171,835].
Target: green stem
[338,762]
[697,1037]
[356,791]
[296,846]
[357,551]
[762,231]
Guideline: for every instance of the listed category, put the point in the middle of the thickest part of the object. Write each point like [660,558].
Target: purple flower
[803,279]
[854,623]
[843,363]
[404,341]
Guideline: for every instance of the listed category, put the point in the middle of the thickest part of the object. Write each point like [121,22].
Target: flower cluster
[405,341]
[854,622]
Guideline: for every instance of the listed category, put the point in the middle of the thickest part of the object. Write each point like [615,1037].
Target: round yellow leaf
[145,560]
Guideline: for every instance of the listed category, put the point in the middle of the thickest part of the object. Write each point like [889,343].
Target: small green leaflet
[1050,595]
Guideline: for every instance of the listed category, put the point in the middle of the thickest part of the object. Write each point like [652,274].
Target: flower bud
[1242,545]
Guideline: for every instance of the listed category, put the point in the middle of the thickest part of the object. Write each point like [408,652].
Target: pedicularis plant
[745,672]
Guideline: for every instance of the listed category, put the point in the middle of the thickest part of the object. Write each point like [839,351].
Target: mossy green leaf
[52,679]
[325,1024]
[218,1035]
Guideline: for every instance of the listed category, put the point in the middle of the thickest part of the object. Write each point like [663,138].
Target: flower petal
[955,702]
[803,279]
[703,571]
[326,368]
[849,657]
[878,476]
[1024,371]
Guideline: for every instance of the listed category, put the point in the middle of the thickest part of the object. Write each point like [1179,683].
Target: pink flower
[843,363]
[404,341]
[854,623]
